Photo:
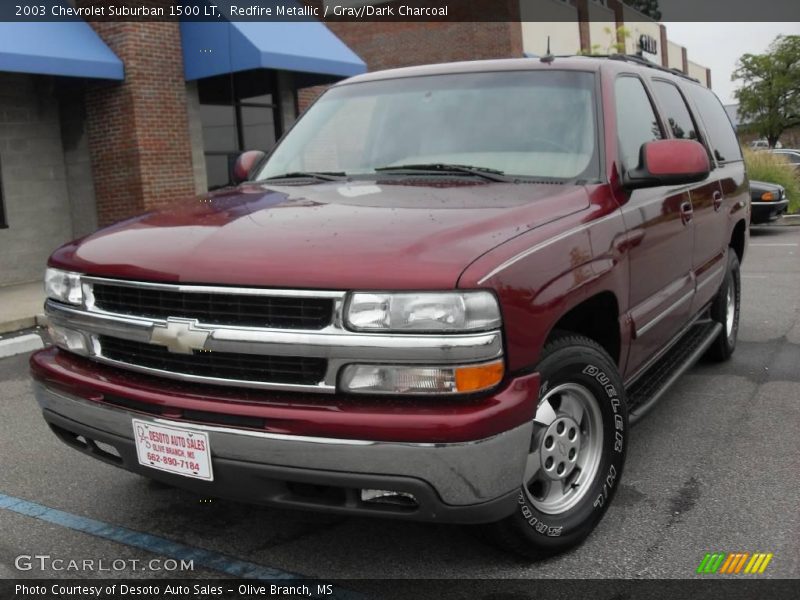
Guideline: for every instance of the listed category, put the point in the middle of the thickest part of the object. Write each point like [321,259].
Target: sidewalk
[19,306]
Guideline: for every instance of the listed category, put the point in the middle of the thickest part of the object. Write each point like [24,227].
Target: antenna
[548,57]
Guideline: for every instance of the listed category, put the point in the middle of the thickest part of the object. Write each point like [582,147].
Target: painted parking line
[775,245]
[154,544]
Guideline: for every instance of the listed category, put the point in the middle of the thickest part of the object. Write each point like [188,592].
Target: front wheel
[576,453]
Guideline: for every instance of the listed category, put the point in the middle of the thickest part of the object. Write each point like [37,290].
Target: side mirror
[669,162]
[245,164]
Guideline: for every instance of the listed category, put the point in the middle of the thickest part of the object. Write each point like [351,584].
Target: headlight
[423,311]
[399,379]
[63,286]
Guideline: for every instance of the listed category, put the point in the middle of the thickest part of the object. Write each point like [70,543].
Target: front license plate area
[173,449]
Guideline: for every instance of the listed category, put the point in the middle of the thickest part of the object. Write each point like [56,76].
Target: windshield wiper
[485,172]
[320,175]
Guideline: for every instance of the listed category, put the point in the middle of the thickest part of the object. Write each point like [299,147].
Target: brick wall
[139,137]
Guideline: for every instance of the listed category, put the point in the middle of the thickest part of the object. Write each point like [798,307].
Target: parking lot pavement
[712,468]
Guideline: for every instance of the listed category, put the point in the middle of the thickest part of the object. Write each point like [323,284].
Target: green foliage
[769,98]
[617,47]
[648,7]
[774,168]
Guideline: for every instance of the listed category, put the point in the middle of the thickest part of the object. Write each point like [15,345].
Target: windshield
[527,123]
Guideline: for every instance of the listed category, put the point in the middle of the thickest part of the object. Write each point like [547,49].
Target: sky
[719,45]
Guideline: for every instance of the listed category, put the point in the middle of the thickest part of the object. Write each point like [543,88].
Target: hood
[399,234]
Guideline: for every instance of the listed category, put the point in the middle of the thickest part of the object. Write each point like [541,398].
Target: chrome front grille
[302,370]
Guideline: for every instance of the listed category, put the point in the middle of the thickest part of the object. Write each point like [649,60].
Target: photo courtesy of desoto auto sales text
[399,299]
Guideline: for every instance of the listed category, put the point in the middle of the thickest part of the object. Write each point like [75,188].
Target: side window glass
[722,138]
[636,120]
[675,110]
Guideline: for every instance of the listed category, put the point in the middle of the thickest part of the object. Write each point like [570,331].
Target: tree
[648,7]
[620,34]
[769,96]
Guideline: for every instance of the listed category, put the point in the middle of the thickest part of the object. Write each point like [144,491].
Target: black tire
[571,361]
[725,344]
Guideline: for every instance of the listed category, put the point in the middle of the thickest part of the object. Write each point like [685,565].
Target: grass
[764,166]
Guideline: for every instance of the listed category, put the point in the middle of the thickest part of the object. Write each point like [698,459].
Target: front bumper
[764,212]
[460,482]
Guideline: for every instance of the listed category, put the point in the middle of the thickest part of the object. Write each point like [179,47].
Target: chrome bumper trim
[780,203]
[462,473]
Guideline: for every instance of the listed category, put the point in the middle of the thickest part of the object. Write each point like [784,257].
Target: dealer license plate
[180,451]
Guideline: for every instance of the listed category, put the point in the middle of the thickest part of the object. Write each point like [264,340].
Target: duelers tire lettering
[535,523]
[607,485]
[602,378]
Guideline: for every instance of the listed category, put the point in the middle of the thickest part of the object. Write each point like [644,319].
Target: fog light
[68,339]
[396,379]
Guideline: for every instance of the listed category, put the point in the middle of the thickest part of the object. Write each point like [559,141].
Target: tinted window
[219,128]
[636,120]
[675,111]
[237,113]
[722,138]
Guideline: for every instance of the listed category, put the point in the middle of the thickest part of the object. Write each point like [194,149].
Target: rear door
[710,222]
[729,174]
[660,229]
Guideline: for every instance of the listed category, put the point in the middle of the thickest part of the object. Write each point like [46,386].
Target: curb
[17,325]
[20,344]
[791,219]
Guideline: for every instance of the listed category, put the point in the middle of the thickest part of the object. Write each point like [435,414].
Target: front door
[660,231]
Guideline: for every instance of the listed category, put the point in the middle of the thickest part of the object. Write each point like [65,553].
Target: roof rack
[633,58]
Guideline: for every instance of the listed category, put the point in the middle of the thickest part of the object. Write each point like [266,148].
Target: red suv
[443,296]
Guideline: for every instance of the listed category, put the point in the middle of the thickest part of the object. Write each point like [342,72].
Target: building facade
[102,121]
[573,27]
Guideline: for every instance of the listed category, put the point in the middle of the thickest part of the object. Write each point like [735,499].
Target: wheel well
[596,318]
[737,240]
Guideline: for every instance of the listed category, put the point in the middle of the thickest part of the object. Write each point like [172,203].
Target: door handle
[717,199]
[686,212]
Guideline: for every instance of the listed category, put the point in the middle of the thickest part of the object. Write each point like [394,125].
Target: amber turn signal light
[767,196]
[479,377]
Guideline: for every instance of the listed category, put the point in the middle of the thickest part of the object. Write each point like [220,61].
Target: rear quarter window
[722,140]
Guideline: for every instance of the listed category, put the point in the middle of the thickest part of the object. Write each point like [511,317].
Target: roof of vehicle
[616,62]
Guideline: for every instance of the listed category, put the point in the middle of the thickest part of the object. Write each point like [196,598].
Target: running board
[653,384]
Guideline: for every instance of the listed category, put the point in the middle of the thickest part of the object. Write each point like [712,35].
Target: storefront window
[238,113]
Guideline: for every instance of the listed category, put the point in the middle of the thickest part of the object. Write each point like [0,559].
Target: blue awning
[68,48]
[301,46]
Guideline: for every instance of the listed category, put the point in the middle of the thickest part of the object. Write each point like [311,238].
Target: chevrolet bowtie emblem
[179,336]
